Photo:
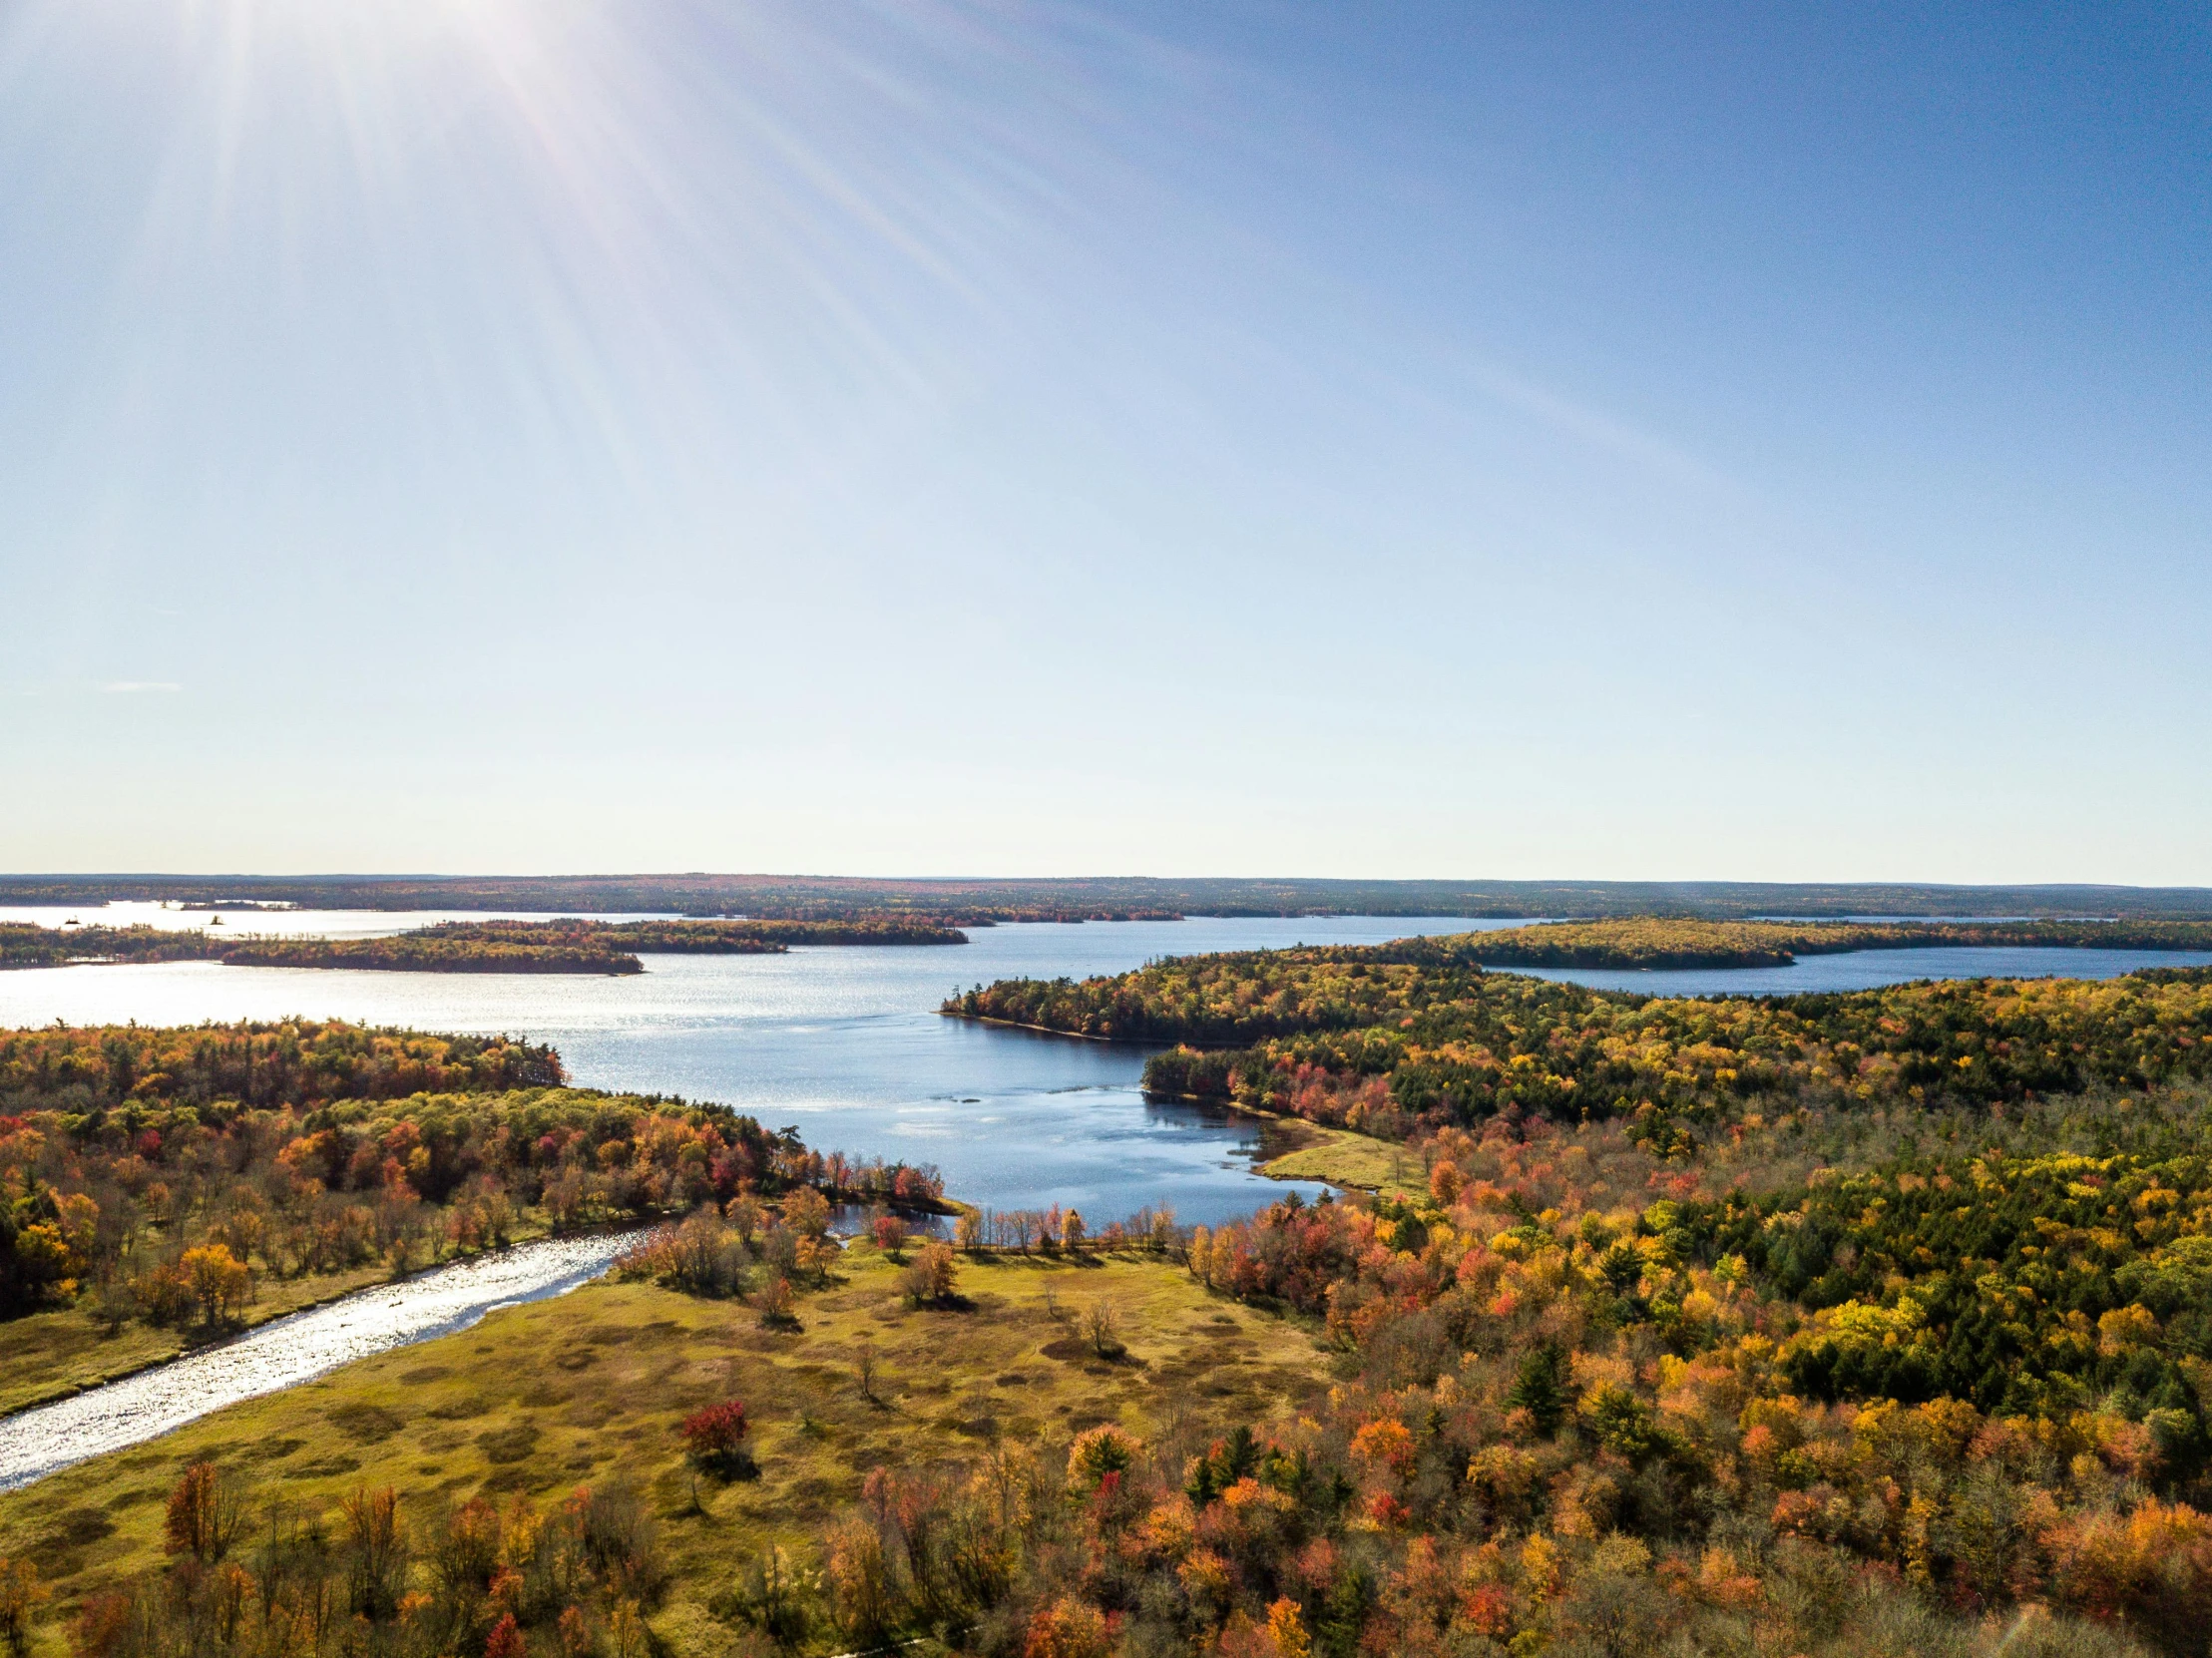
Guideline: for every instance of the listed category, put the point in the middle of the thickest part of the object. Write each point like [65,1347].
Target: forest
[161,1174]
[1394,1037]
[1652,941]
[568,946]
[1873,1324]
[696,937]
[429,950]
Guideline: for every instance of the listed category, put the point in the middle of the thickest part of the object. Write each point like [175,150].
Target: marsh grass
[1342,1158]
[588,1389]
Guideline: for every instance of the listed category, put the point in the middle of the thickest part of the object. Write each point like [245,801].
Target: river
[289,1351]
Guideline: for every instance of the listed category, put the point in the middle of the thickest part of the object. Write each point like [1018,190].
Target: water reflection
[844,1044]
[1859,970]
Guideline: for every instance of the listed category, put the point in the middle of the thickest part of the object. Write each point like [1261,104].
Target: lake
[845,1043]
[1859,970]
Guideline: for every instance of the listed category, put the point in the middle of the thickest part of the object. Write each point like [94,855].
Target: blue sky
[534,435]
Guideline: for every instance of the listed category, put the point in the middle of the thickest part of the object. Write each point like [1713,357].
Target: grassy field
[1343,1159]
[588,1387]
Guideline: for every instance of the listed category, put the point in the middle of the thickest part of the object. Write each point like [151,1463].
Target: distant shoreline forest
[981,902]
[566,946]
[1648,942]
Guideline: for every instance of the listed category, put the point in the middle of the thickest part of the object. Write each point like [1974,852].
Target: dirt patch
[422,1375]
[364,1424]
[509,1444]
[76,1528]
[324,1467]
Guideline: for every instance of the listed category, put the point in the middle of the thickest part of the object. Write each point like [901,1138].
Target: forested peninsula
[558,947]
[1650,941]
[1418,1034]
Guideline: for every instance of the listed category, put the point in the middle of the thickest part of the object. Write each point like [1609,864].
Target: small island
[563,946]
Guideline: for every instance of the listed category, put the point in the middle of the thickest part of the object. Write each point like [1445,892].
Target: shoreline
[1049,1031]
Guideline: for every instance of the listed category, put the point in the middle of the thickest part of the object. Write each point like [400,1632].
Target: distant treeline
[428,952]
[981,902]
[1649,941]
[566,946]
[701,938]
[22,944]
[431,950]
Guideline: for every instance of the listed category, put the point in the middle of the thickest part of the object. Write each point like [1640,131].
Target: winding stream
[291,1349]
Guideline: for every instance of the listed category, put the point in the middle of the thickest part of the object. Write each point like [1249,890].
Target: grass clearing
[1344,1158]
[588,1389]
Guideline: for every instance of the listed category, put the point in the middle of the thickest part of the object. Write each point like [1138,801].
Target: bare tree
[1102,1327]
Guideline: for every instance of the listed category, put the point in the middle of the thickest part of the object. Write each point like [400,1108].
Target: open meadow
[589,1390]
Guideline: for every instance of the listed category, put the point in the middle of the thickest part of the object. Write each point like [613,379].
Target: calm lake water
[845,1043]
[1859,970]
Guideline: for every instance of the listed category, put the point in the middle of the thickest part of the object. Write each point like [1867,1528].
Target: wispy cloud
[127,688]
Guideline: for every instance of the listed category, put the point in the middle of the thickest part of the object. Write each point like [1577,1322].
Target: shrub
[776,1597]
[205,1512]
[21,1595]
[505,1640]
[806,1212]
[218,1280]
[376,1546]
[1067,1628]
[714,1439]
[863,1588]
[1096,1452]
[778,1305]
[928,1277]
